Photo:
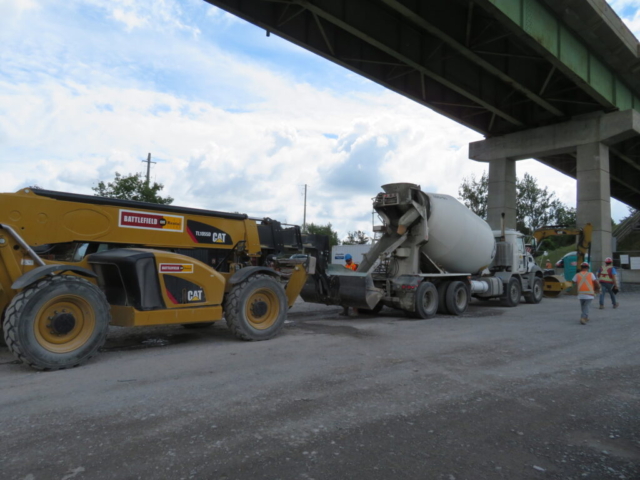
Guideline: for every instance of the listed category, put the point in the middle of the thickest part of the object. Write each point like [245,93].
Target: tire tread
[13,314]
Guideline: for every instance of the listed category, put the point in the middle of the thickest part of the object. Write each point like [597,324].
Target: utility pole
[148,162]
[304,218]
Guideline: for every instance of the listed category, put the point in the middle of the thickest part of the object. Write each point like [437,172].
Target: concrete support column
[594,198]
[502,193]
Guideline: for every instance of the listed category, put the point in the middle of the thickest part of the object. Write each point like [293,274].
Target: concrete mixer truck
[435,255]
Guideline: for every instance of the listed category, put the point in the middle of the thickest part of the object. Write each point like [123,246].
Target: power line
[304,217]
[148,162]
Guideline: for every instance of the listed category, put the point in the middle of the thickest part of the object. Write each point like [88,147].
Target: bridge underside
[463,59]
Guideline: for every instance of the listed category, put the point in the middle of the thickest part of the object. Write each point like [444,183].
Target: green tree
[474,194]
[132,187]
[535,206]
[324,230]
[356,238]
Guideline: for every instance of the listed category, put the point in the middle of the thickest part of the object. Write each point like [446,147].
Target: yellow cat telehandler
[72,264]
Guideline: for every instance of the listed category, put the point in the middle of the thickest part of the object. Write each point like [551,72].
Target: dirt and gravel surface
[523,393]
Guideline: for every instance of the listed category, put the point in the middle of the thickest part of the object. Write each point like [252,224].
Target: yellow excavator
[71,265]
[554,285]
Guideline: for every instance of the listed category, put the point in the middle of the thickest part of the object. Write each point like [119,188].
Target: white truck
[434,255]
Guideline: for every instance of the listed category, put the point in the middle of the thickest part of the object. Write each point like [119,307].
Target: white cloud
[229,132]
[629,12]
[158,14]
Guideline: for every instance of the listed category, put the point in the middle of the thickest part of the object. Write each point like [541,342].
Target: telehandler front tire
[256,308]
[59,322]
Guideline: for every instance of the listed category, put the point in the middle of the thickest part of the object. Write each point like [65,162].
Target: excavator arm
[554,285]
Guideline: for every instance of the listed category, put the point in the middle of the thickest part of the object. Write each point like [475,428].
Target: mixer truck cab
[434,256]
[516,268]
[522,260]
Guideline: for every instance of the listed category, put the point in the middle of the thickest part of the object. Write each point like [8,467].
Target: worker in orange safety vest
[349,262]
[348,259]
[587,287]
[609,282]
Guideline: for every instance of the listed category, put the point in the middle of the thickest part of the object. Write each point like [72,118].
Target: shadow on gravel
[340,330]
[153,337]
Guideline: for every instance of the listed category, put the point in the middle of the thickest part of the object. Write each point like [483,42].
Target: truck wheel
[511,297]
[536,293]
[426,301]
[256,308]
[457,297]
[58,322]
[442,298]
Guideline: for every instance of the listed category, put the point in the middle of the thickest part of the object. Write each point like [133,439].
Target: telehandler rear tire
[59,322]
[256,308]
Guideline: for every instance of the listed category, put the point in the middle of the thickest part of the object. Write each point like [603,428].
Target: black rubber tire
[197,326]
[235,305]
[442,297]
[536,293]
[426,301]
[457,297]
[20,322]
[3,343]
[511,297]
[374,311]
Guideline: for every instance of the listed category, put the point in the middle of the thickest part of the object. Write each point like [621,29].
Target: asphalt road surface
[499,393]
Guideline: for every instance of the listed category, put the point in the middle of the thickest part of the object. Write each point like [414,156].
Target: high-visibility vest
[585,283]
[605,275]
[353,266]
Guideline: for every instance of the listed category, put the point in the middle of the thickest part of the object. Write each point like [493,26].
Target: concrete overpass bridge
[555,80]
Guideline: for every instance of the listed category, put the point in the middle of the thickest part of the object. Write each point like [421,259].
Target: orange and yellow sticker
[150,221]
[176,268]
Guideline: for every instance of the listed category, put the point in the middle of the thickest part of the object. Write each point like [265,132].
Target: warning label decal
[150,221]
[176,268]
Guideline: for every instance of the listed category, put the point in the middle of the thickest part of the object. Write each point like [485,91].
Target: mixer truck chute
[435,255]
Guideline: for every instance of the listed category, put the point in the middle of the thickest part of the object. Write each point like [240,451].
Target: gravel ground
[523,393]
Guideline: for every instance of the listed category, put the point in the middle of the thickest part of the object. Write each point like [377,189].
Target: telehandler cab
[71,264]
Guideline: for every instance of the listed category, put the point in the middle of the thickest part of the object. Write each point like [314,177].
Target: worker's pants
[607,288]
[584,304]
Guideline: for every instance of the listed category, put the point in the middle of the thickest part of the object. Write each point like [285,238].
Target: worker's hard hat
[348,256]
[584,264]
[608,260]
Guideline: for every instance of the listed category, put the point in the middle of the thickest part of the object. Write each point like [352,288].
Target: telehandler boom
[71,264]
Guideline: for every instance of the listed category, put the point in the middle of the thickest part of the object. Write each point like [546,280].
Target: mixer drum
[459,240]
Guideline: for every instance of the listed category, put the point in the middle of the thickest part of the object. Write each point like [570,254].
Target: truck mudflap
[346,288]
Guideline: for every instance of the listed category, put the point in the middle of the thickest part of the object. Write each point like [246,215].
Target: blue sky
[236,121]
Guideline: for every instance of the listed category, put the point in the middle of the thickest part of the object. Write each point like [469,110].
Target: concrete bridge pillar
[580,145]
[594,197]
[502,193]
